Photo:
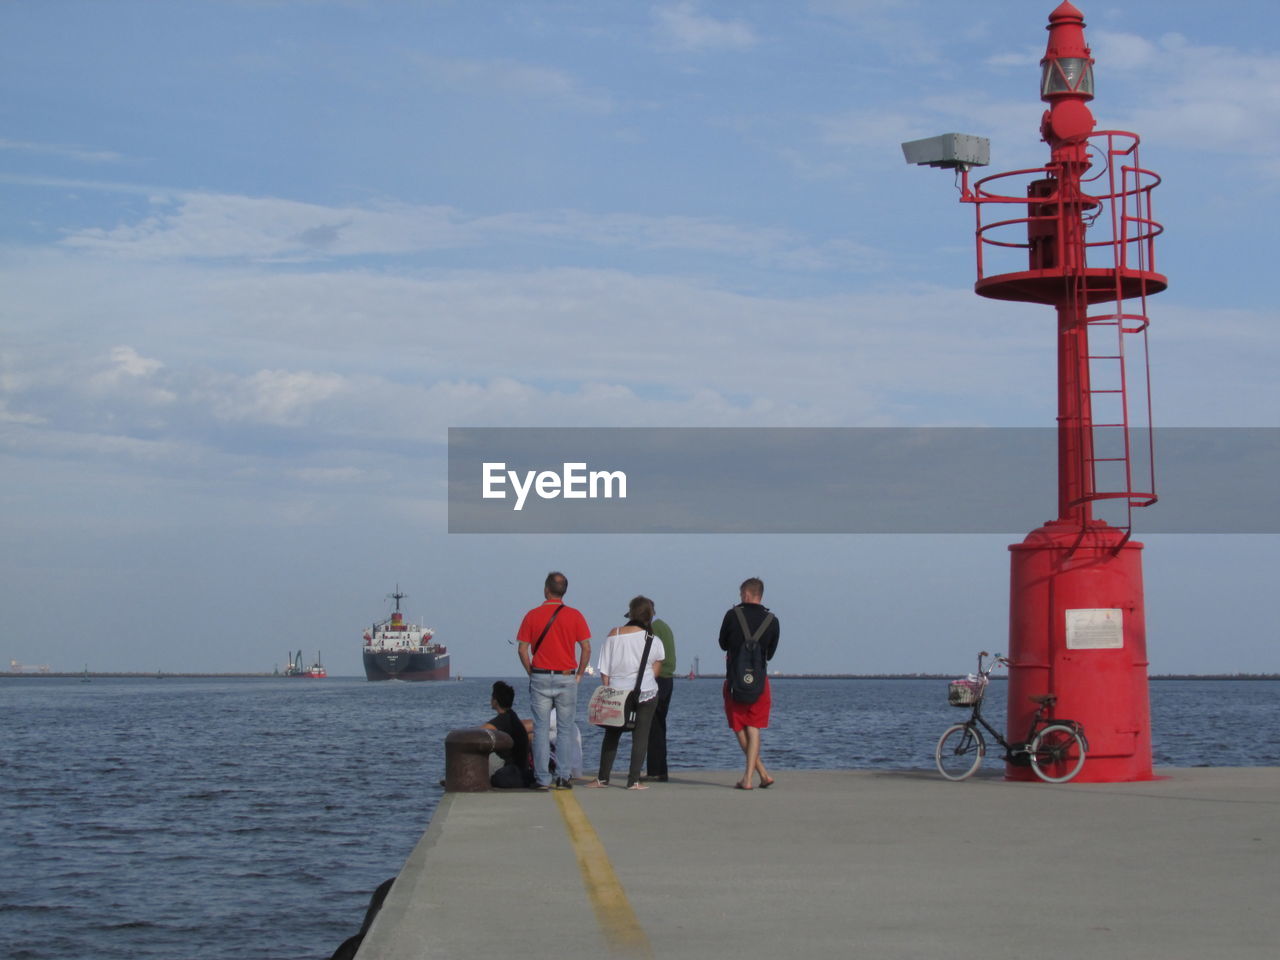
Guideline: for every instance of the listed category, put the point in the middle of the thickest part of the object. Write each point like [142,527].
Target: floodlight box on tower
[949,150]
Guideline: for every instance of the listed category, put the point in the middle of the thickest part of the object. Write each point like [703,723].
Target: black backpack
[747,671]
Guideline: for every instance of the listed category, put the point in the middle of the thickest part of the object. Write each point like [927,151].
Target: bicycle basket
[965,692]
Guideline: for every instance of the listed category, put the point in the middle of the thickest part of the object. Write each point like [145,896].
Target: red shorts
[748,714]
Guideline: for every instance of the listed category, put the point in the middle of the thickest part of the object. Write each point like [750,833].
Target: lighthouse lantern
[1066,75]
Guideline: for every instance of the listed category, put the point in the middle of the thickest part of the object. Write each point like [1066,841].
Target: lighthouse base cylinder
[1077,630]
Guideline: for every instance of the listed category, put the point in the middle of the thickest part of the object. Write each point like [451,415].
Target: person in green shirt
[657,756]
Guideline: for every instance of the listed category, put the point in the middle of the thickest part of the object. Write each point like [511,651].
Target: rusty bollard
[466,757]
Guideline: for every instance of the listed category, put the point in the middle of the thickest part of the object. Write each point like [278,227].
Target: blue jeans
[548,690]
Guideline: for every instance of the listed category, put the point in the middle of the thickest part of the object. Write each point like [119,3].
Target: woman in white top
[620,661]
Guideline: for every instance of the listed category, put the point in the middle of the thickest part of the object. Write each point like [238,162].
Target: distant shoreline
[165,675]
[136,675]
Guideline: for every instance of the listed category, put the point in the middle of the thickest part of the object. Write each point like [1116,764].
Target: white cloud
[513,80]
[126,362]
[681,27]
[218,225]
[1012,128]
[1197,98]
[857,9]
[326,476]
[214,226]
[1121,51]
[86,446]
[283,398]
[355,354]
[156,194]
[878,129]
[340,354]
[1204,98]
[61,150]
[8,416]
[127,375]
[1028,57]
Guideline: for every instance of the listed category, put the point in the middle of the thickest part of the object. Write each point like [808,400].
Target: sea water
[167,819]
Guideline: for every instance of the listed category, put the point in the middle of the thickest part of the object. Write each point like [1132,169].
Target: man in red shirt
[546,640]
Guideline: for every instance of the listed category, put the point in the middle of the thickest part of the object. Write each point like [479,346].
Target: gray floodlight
[951,151]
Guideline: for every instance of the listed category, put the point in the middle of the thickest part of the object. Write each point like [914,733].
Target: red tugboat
[295,668]
[395,650]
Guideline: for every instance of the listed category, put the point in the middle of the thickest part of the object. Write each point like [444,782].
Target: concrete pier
[882,865]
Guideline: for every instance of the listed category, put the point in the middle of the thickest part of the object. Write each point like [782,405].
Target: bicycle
[1054,748]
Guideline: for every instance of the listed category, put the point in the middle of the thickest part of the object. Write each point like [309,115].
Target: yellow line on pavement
[618,923]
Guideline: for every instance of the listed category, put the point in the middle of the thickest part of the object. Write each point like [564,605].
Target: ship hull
[403,665]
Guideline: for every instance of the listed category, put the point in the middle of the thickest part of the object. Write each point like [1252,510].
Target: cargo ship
[395,650]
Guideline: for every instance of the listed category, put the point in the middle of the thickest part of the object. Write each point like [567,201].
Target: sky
[258,256]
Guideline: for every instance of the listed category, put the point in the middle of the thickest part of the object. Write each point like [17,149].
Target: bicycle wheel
[960,751]
[1057,753]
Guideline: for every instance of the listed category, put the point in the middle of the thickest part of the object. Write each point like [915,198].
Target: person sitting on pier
[517,771]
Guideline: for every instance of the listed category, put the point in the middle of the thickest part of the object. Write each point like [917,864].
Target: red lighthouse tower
[1082,233]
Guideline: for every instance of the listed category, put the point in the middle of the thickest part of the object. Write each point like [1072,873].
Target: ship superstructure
[398,650]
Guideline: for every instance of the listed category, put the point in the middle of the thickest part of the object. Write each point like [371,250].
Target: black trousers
[639,744]
[510,777]
[657,763]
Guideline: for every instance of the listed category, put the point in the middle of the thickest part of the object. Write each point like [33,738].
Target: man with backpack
[749,637]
